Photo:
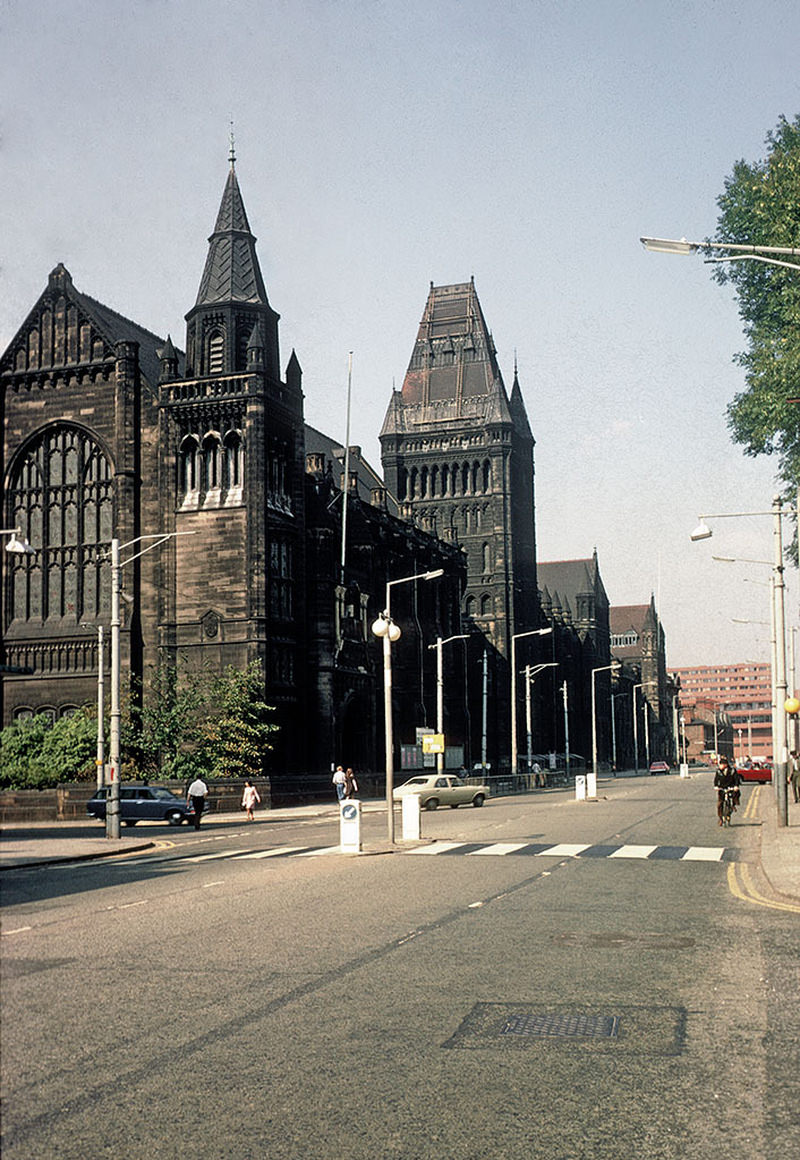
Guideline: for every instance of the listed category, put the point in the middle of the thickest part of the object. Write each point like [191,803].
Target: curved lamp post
[112,802]
[518,636]
[440,690]
[724,251]
[614,667]
[385,628]
[780,755]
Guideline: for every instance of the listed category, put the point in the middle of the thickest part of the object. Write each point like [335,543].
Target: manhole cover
[546,1027]
[565,1026]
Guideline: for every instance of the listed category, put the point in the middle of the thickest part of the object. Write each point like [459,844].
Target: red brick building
[742,692]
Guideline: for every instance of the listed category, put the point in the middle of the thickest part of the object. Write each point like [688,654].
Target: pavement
[45,843]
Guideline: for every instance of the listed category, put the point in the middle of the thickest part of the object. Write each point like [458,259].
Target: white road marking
[633,852]
[438,848]
[565,850]
[274,853]
[703,854]
[499,848]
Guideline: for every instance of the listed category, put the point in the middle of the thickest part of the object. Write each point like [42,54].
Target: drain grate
[563,1026]
[580,1027]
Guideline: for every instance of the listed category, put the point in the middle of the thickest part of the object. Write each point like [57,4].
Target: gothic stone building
[110,431]
[457,451]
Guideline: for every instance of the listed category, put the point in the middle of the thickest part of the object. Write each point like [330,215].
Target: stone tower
[233,460]
[457,452]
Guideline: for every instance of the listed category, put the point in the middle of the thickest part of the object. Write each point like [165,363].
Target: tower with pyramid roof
[457,451]
[233,463]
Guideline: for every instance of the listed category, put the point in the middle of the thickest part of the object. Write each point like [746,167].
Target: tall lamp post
[440,690]
[385,628]
[530,674]
[112,802]
[635,731]
[615,666]
[100,758]
[518,636]
[780,756]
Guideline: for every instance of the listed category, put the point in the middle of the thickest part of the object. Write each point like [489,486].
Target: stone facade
[457,452]
[111,431]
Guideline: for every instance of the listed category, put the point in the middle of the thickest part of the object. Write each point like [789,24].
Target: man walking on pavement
[196,796]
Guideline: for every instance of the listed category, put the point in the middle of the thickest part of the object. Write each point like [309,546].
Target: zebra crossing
[497,850]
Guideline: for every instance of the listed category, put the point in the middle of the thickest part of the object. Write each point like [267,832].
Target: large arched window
[61,495]
[233,462]
[211,462]
[188,455]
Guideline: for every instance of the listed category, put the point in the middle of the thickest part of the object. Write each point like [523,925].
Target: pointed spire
[232,272]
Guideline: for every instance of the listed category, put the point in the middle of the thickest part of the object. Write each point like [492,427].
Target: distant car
[659,767]
[143,803]
[442,790]
[760,771]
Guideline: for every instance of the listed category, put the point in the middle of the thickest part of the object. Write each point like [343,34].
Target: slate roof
[232,272]
[453,371]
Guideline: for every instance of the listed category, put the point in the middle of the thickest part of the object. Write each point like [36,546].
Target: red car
[760,771]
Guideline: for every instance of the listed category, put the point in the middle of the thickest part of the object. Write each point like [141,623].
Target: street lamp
[385,628]
[733,252]
[615,666]
[530,673]
[518,636]
[112,800]
[440,691]
[635,731]
[100,758]
[780,756]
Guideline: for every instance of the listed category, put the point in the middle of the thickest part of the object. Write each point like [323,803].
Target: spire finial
[232,154]
[516,368]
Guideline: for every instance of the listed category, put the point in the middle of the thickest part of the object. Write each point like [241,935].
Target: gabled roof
[624,618]
[232,272]
[106,324]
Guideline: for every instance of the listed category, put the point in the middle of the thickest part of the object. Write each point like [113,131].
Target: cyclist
[726,778]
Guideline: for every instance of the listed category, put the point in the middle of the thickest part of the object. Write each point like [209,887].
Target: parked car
[760,771]
[143,803]
[442,790]
[659,767]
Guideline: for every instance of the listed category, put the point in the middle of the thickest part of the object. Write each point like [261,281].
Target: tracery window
[61,495]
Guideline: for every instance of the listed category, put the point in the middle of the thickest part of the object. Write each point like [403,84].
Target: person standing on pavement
[339,781]
[250,799]
[794,774]
[196,797]
[350,783]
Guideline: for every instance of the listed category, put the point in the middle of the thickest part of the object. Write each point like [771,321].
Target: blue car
[143,803]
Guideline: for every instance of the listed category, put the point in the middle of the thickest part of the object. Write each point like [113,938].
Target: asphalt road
[241,993]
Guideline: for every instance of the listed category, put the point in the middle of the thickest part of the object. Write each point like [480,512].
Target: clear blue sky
[381,146]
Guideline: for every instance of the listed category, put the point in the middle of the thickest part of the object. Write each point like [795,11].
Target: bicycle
[728,804]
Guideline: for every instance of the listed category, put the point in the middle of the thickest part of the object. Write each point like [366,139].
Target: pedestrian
[249,800]
[339,781]
[539,776]
[794,774]
[350,783]
[196,797]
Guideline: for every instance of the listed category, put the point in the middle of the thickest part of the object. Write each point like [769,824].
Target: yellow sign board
[433,743]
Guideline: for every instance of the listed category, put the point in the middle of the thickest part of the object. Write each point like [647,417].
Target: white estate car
[442,790]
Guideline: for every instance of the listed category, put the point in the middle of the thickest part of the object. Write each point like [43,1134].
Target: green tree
[235,738]
[36,753]
[761,206]
[160,730]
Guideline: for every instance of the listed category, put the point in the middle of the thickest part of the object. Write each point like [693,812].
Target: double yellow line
[740,883]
